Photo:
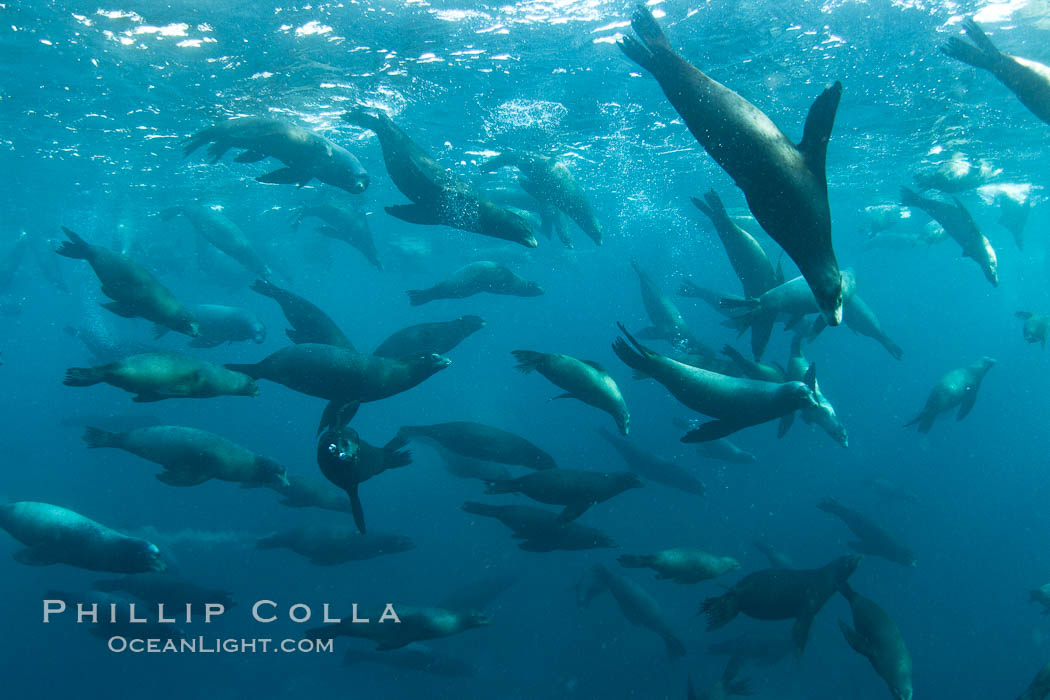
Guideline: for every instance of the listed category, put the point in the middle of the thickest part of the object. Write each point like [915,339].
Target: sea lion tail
[633,561]
[483,509]
[83,376]
[96,437]
[719,611]
[192,143]
[76,247]
[981,54]
[418,297]
[393,455]
[252,371]
[528,360]
[359,117]
[924,421]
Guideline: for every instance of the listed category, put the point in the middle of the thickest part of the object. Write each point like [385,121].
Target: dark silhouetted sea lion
[191,457]
[1036,327]
[309,323]
[348,226]
[682,564]
[134,291]
[574,489]
[1027,79]
[872,538]
[475,278]
[56,535]
[777,559]
[424,338]
[876,636]
[214,227]
[667,320]
[328,546]
[154,376]
[583,380]
[639,607]
[782,594]
[960,225]
[541,530]
[306,155]
[785,185]
[416,624]
[957,388]
[649,466]
[481,442]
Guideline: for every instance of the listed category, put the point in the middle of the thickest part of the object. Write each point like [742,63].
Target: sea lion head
[428,365]
[628,480]
[472,323]
[830,289]
[499,222]
[344,170]
[140,556]
[185,322]
[271,472]
[243,385]
[798,395]
[339,446]
[258,332]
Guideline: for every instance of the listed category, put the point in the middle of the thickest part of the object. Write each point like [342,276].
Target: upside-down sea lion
[823,413]
[583,380]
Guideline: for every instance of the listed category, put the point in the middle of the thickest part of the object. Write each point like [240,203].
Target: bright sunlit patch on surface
[999,11]
[175,29]
[312,27]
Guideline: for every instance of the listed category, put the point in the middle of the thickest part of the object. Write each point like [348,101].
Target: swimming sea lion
[785,185]
[11,260]
[469,468]
[639,607]
[682,564]
[220,324]
[191,457]
[1027,79]
[1036,327]
[475,278]
[957,388]
[777,559]
[726,686]
[735,403]
[541,530]
[309,323]
[782,594]
[667,320]
[876,636]
[823,413]
[311,493]
[584,380]
[424,338]
[552,220]
[328,546]
[1039,688]
[348,226]
[960,225]
[56,535]
[481,442]
[416,624]
[134,291]
[725,451]
[1014,208]
[214,227]
[957,174]
[872,538]
[114,616]
[753,369]
[306,155]
[165,588]
[413,657]
[439,197]
[653,468]
[154,376]
[574,489]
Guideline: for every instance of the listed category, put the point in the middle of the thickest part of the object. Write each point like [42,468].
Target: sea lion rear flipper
[800,632]
[414,214]
[786,421]
[967,404]
[853,638]
[817,131]
[357,509]
[285,176]
[337,415]
[573,511]
[176,475]
[711,430]
[33,556]
[249,157]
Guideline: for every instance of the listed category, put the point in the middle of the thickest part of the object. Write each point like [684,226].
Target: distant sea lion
[417,624]
[165,588]
[639,607]
[56,535]
[481,442]
[1027,79]
[328,546]
[872,538]
[574,489]
[876,636]
[220,324]
[114,616]
[424,338]
[957,174]
[959,224]
[957,388]
[348,226]
[11,260]
[777,559]
[1036,327]
[306,155]
[541,530]
[782,594]
[649,466]
[413,657]
[823,413]
[726,686]
[311,493]
[439,197]
[191,457]
[725,451]
[785,185]
[583,380]
[309,323]
[1039,688]
[154,376]
[1014,208]
[134,291]
[214,227]
[733,402]
[682,564]
[475,278]
[667,320]
[550,181]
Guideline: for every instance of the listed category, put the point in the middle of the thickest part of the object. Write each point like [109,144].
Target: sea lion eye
[333,449]
[153,549]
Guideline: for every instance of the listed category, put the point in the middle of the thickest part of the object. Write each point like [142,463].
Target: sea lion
[785,185]
[552,221]
[876,636]
[725,451]
[439,197]
[475,278]
[338,374]
[872,538]
[584,380]
[782,594]
[348,226]
[726,686]
[191,457]
[348,461]
[653,468]
[134,291]
[213,226]
[167,589]
[1015,204]
[639,607]
[114,613]
[1039,688]
[862,320]
[753,369]
[1041,595]
[469,468]
[574,489]
[413,657]
[329,546]
[551,182]
[417,624]
[56,535]
[154,376]
[1026,78]
[309,323]
[1036,327]
[881,217]
[667,320]
[930,234]
[960,225]
[823,413]
[481,442]
[892,491]
[220,324]
[541,530]
[762,650]
[682,564]
[957,388]
[733,402]
[306,155]
[957,174]
[439,337]
[311,493]
[777,559]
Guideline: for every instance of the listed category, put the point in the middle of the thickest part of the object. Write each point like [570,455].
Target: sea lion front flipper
[853,638]
[33,556]
[711,430]
[786,421]
[800,632]
[967,404]
[249,157]
[337,416]
[285,176]
[357,509]
[181,476]
[817,131]
[414,214]
[573,511]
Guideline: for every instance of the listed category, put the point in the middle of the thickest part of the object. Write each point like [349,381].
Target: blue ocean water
[95,101]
